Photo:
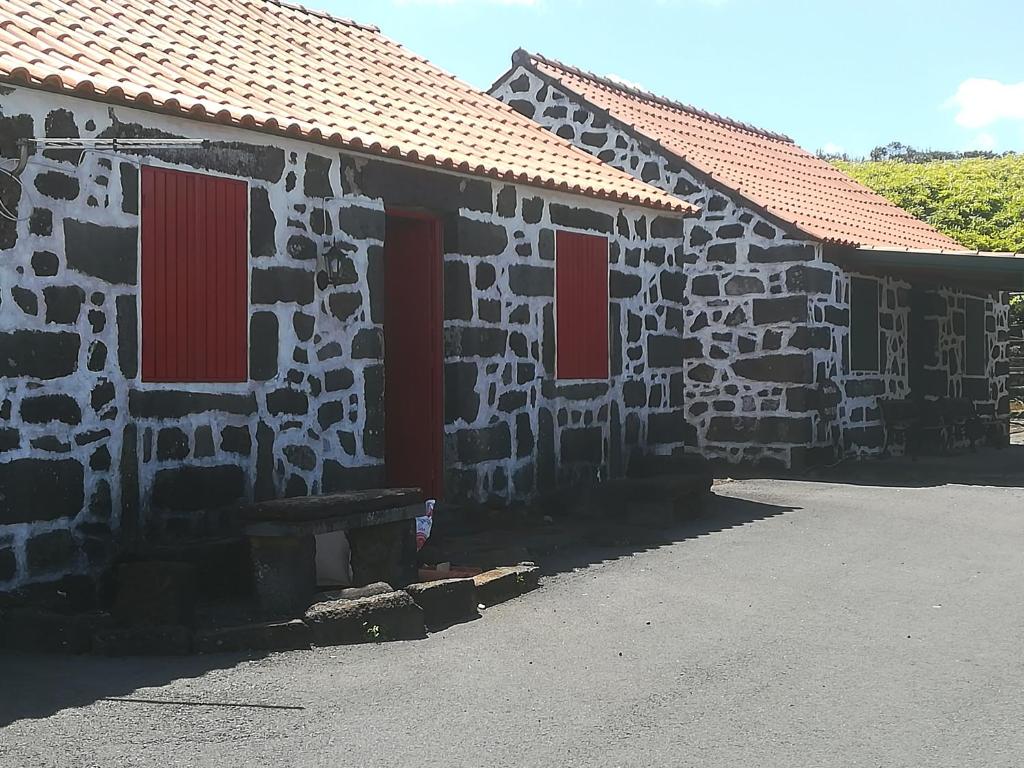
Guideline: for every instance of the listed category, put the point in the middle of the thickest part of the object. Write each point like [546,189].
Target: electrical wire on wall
[113,147]
[7,176]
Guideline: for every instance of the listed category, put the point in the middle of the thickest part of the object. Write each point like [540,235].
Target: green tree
[975,198]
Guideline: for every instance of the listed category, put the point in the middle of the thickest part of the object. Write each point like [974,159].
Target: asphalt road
[841,625]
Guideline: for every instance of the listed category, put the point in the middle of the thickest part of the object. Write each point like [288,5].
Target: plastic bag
[424,524]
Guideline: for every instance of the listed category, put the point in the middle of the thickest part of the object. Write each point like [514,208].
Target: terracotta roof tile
[269,65]
[766,168]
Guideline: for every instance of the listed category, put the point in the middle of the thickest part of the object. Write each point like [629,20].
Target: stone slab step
[501,584]
[445,602]
[391,616]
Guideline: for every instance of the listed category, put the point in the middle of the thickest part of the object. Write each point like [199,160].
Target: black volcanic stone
[480,238]
[670,428]
[723,252]
[671,351]
[583,444]
[263,346]
[780,253]
[705,285]
[316,182]
[171,443]
[760,430]
[805,279]
[580,218]
[63,303]
[127,336]
[40,222]
[533,209]
[338,380]
[729,232]
[287,401]
[362,223]
[44,263]
[794,368]
[673,286]
[25,299]
[300,456]
[236,440]
[129,187]
[458,293]
[97,360]
[461,398]
[50,552]
[667,227]
[819,337]
[192,488]
[344,305]
[526,280]
[764,230]
[474,341]
[785,309]
[485,275]
[282,284]
[169,404]
[485,444]
[262,224]
[301,248]
[367,344]
[740,285]
[57,185]
[109,253]
[507,202]
[623,285]
[46,408]
[40,489]
[699,236]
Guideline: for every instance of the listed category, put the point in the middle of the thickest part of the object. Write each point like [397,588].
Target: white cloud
[984,141]
[524,3]
[625,82]
[832,149]
[980,102]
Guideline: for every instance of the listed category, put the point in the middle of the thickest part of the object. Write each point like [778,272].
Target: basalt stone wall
[754,345]
[943,346]
[93,460]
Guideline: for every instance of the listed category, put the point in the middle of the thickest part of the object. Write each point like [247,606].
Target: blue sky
[839,75]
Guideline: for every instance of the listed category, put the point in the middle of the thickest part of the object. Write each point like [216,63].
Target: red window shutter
[194,277]
[581,306]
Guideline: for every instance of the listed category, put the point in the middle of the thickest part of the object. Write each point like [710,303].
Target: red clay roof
[765,168]
[271,66]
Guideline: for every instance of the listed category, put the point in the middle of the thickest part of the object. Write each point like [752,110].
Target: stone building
[346,278]
[807,296]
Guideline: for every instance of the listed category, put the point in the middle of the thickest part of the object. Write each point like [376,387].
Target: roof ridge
[325,15]
[521,54]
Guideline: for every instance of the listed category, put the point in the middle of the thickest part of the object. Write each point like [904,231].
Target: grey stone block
[445,602]
[391,616]
[501,584]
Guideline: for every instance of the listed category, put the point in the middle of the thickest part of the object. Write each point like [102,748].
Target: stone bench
[381,529]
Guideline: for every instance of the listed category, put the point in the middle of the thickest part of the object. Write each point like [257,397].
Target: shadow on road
[37,686]
[1002,467]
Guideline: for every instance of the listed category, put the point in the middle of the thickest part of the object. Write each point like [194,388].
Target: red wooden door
[413,418]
